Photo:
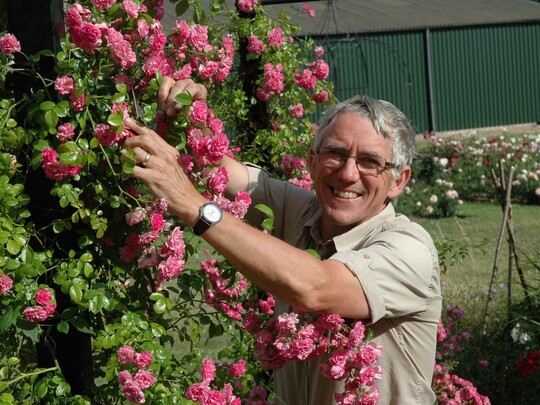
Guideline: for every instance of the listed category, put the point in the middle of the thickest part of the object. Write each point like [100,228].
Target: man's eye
[336,154]
[367,161]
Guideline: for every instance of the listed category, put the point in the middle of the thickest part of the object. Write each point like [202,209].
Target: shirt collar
[354,237]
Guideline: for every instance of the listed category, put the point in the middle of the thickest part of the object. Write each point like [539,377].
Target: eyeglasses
[365,163]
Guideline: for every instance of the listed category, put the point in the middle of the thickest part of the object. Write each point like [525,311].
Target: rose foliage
[110,267]
[89,259]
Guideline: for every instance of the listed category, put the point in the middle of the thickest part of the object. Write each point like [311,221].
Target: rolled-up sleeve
[397,271]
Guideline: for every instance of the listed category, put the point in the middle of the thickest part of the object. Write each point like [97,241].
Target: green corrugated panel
[389,67]
[481,76]
[485,76]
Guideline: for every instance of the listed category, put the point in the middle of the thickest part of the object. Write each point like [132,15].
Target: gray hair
[387,120]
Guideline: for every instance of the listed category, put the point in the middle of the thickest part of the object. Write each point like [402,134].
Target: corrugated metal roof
[338,17]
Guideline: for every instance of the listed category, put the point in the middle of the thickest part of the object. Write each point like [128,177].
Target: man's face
[348,197]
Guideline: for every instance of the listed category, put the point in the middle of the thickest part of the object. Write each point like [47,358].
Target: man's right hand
[170,88]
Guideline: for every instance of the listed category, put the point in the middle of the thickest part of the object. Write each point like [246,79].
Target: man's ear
[399,184]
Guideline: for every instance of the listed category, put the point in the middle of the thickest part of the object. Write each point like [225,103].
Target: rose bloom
[5,284]
[255,45]
[144,378]
[321,97]
[124,377]
[198,112]
[133,392]
[126,354]
[246,5]
[9,44]
[275,37]
[35,314]
[102,4]
[296,111]
[43,296]
[64,84]
[143,359]
[65,132]
[238,369]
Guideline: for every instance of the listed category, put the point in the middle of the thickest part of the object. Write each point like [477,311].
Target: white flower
[443,162]
[433,199]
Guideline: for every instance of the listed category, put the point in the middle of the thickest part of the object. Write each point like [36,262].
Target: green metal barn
[448,65]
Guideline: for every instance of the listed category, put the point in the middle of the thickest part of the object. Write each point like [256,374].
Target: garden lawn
[475,232]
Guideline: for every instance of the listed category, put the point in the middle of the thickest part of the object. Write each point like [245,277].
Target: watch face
[212,212]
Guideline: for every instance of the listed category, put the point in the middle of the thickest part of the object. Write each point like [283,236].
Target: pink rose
[275,37]
[35,314]
[133,392]
[65,132]
[103,4]
[208,370]
[246,5]
[143,359]
[238,369]
[198,112]
[130,8]
[6,283]
[9,44]
[43,296]
[126,354]
[145,378]
[77,102]
[124,377]
[197,392]
[321,97]
[255,45]
[64,84]
[296,111]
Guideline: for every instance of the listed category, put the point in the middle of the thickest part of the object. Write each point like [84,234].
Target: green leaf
[75,293]
[13,246]
[160,306]
[63,327]
[265,209]
[41,388]
[86,257]
[81,325]
[47,105]
[183,99]
[181,7]
[51,119]
[8,319]
[116,120]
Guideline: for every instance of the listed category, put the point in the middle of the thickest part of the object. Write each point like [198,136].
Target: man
[376,265]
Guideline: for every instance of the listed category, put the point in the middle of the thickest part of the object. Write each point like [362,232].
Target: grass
[475,232]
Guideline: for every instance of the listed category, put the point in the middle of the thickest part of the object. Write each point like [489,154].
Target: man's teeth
[345,194]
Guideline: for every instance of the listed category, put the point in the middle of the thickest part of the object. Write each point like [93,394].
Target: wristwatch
[209,215]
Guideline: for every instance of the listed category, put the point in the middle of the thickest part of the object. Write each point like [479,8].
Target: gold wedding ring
[146,159]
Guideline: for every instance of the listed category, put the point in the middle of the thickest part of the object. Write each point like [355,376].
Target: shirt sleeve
[397,271]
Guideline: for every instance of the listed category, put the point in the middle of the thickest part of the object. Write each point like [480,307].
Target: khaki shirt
[396,264]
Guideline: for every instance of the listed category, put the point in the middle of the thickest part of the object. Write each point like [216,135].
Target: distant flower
[296,111]
[64,84]
[143,359]
[9,44]
[275,38]
[65,132]
[255,45]
[6,283]
[246,5]
[43,296]
[126,354]
[321,97]
[310,10]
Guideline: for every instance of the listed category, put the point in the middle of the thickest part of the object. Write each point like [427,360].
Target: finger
[164,91]
[137,127]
